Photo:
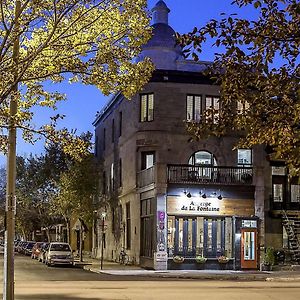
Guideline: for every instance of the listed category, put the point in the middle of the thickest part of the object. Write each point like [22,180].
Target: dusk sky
[84,101]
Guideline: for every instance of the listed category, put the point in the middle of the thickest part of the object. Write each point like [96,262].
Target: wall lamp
[202,194]
[188,194]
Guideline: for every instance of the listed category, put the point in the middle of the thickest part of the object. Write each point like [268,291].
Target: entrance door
[248,248]
[214,241]
[185,237]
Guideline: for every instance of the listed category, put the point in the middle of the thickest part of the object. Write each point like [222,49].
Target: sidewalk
[115,269]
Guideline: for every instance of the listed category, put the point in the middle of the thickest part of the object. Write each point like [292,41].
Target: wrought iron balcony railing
[210,174]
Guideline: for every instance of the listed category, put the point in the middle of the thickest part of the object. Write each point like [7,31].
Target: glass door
[185,237]
[248,248]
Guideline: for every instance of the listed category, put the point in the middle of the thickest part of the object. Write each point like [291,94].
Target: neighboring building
[170,196]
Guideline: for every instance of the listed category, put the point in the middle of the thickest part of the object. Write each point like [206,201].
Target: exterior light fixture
[188,194]
[202,194]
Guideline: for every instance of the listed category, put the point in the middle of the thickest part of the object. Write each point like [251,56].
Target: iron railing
[210,174]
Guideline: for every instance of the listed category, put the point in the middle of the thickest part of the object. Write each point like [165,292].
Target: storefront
[222,231]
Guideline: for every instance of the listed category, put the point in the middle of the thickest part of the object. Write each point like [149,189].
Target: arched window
[202,158]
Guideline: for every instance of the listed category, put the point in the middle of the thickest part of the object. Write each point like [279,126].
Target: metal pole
[10,206]
[102,243]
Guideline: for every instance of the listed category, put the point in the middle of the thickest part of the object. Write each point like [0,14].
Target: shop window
[244,157]
[147,108]
[147,227]
[295,193]
[277,192]
[212,106]
[148,160]
[193,108]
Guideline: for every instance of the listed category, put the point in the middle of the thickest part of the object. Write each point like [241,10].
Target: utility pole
[10,206]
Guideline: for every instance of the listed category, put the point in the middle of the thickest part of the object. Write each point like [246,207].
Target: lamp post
[103,215]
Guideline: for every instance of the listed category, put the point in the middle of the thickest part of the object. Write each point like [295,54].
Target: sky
[83,102]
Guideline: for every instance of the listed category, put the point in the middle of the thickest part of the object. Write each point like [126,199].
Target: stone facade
[139,197]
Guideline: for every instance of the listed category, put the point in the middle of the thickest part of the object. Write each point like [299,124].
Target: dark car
[27,250]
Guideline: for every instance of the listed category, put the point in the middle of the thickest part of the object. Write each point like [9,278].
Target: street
[36,281]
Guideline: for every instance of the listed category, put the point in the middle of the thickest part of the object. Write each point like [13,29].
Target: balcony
[145,177]
[210,175]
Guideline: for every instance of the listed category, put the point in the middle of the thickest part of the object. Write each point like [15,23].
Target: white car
[59,254]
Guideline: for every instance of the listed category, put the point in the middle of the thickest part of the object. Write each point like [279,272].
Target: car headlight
[53,256]
[69,256]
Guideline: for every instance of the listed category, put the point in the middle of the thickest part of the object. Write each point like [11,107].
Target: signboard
[198,206]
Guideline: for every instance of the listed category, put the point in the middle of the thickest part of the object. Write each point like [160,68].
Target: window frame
[149,117]
[194,116]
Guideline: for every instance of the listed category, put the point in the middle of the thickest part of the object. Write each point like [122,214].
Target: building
[170,197]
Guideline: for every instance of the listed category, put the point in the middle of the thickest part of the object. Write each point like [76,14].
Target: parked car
[36,249]
[27,249]
[20,246]
[43,251]
[59,254]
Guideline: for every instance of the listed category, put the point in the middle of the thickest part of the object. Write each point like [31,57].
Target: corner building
[168,196]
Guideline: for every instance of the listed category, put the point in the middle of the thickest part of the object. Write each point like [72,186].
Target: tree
[258,70]
[78,188]
[91,41]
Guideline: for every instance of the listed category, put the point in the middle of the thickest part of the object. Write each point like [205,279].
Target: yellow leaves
[94,42]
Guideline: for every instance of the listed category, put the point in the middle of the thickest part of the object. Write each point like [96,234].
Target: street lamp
[103,215]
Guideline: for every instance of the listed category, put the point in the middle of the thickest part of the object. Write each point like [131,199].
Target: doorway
[248,248]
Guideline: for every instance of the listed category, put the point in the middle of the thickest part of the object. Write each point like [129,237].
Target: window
[104,137]
[120,123]
[96,146]
[193,108]
[104,187]
[112,181]
[202,158]
[242,107]
[277,192]
[244,157]
[113,131]
[212,104]
[147,227]
[120,172]
[295,193]
[148,160]
[147,106]
[128,226]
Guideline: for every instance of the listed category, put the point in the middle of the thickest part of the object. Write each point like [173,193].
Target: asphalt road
[35,281]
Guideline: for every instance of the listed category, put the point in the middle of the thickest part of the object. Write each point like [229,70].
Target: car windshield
[60,247]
